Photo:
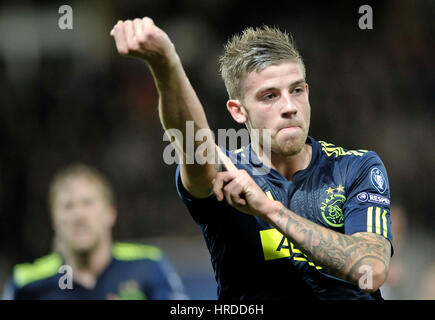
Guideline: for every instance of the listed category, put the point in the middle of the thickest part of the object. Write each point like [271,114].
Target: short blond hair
[80,170]
[254,50]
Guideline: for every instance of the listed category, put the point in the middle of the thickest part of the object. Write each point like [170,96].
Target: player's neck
[88,265]
[287,165]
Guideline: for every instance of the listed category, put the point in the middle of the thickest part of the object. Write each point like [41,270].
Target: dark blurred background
[66,95]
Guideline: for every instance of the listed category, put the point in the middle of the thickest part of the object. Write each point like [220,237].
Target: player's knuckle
[145,36]
[148,20]
[215,184]
[131,46]
[141,40]
[237,180]
[150,35]
[123,49]
[223,174]
[128,24]
[228,190]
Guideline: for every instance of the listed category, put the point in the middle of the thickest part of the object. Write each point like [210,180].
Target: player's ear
[307,89]
[113,216]
[237,110]
[110,216]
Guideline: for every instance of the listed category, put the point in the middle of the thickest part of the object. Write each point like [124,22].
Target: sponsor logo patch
[373,198]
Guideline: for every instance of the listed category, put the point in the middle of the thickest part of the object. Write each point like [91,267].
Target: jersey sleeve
[165,283]
[201,210]
[367,208]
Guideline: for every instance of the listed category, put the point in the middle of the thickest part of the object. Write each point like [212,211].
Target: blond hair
[254,50]
[80,170]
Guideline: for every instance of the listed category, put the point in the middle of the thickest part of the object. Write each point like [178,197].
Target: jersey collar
[261,169]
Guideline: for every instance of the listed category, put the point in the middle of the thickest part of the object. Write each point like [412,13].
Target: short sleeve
[367,208]
[202,210]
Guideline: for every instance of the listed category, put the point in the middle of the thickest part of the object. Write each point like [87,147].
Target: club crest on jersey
[378,180]
[332,207]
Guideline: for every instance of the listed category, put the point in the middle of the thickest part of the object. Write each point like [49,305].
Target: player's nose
[78,213]
[288,108]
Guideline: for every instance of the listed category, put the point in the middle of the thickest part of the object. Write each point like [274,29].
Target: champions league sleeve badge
[378,180]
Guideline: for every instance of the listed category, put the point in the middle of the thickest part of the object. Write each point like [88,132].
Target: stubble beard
[290,146]
[281,147]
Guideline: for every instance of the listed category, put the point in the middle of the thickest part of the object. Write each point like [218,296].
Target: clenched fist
[141,38]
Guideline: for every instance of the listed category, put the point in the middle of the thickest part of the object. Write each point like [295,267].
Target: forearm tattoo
[339,254]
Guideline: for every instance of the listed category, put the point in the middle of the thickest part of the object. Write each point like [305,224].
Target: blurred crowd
[67,96]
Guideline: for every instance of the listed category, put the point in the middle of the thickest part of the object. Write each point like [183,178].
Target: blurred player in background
[83,214]
[317,224]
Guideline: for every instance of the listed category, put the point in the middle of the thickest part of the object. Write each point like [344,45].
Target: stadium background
[67,96]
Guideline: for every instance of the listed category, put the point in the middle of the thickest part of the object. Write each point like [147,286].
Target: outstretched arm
[178,102]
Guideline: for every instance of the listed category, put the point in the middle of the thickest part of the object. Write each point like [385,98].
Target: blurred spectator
[85,263]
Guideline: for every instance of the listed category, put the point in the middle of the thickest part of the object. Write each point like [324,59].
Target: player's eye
[269,96]
[298,90]
[68,205]
[87,202]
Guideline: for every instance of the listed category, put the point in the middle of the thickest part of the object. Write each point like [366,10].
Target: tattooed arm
[340,255]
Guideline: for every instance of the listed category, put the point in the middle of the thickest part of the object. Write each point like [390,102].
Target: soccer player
[316,224]
[85,263]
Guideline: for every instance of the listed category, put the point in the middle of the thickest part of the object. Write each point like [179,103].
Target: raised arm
[178,102]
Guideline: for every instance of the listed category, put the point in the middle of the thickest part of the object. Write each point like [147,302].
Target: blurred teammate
[317,223]
[83,214]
